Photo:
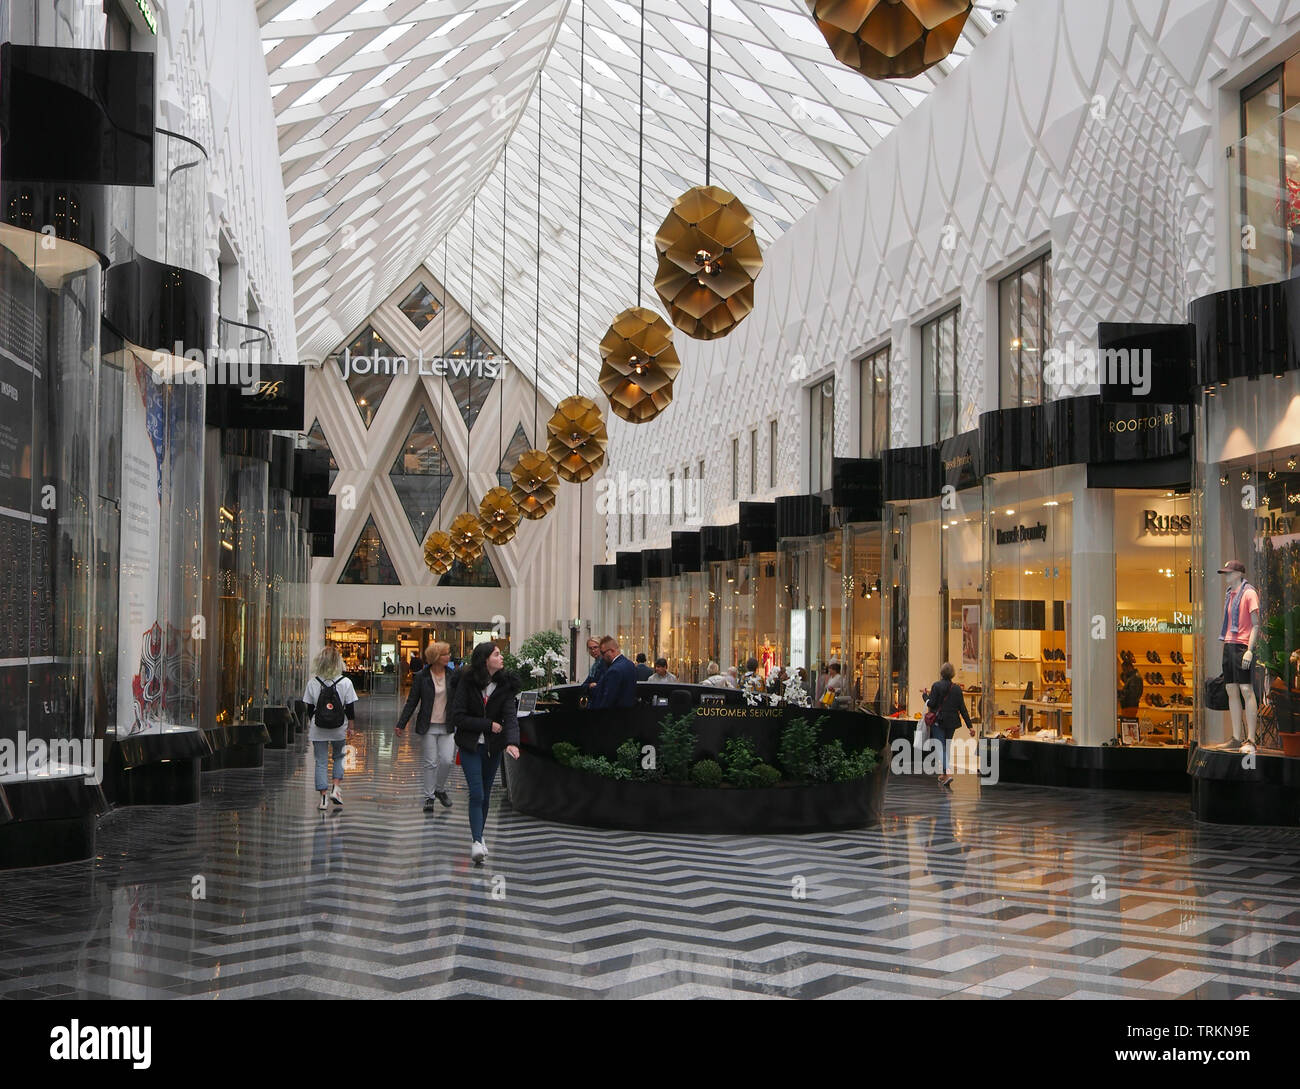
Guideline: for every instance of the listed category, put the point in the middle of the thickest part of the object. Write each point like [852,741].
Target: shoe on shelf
[1232,744]
[428,805]
[324,800]
[1156,657]
[1009,656]
[441,795]
[336,796]
[477,852]
[1248,746]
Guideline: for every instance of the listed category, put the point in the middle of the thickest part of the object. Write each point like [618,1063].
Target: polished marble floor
[1005,892]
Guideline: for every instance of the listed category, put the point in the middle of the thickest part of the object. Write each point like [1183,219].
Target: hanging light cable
[534,479]
[466,530]
[438,552]
[498,511]
[577,435]
[708,255]
[639,362]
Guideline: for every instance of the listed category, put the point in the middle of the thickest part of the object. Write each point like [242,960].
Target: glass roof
[393,117]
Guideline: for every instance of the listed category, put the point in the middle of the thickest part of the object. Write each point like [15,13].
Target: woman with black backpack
[483,714]
[331,701]
[946,700]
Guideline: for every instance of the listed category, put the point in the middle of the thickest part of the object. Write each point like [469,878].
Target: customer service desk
[541,787]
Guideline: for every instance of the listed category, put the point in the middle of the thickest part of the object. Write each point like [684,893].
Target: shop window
[1154,624]
[1267,175]
[369,564]
[317,441]
[519,445]
[470,390]
[874,422]
[367,390]
[821,435]
[420,306]
[481,574]
[420,475]
[1029,649]
[1024,332]
[939,377]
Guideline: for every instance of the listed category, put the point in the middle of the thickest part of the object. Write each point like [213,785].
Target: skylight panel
[315,49]
[319,90]
[302,9]
[799,26]
[385,38]
[774,62]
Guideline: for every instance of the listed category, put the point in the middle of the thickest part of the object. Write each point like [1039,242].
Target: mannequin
[1288,208]
[1239,634]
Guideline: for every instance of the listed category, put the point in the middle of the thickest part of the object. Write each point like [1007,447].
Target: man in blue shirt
[617,688]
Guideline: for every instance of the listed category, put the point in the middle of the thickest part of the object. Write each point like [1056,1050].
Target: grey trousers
[437,753]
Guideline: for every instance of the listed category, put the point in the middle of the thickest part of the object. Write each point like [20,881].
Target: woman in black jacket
[483,714]
[945,698]
[431,689]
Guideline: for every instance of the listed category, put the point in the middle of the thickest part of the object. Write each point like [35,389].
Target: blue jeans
[480,772]
[941,734]
[321,749]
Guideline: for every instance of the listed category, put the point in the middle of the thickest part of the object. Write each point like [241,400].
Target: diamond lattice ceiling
[393,117]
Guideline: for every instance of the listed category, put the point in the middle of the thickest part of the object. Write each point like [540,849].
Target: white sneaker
[477,852]
[336,796]
[324,801]
[483,841]
[1248,746]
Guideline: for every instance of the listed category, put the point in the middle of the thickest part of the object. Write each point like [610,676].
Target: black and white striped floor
[1012,891]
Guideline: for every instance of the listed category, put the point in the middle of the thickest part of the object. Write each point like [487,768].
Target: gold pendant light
[708,254]
[577,439]
[639,365]
[499,515]
[708,261]
[890,39]
[438,552]
[466,538]
[535,481]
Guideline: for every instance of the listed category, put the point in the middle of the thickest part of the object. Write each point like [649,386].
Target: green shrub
[798,753]
[566,753]
[707,773]
[628,755]
[766,775]
[740,760]
[834,765]
[676,747]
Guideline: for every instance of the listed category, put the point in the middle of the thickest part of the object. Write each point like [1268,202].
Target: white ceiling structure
[396,117]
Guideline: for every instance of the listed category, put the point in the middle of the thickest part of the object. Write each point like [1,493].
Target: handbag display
[1216,694]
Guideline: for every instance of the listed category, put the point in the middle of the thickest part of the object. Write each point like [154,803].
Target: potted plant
[1278,651]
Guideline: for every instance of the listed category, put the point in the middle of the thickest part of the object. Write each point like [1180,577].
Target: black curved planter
[1225,791]
[53,822]
[1093,767]
[542,788]
[157,769]
[235,747]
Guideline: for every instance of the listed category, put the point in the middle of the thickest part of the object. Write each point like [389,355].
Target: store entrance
[380,657]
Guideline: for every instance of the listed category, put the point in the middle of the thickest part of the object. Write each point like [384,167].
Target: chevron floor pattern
[1009,892]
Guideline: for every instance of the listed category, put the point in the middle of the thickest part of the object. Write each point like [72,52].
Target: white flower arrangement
[795,693]
[538,672]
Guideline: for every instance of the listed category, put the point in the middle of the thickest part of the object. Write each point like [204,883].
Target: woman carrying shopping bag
[484,718]
[948,703]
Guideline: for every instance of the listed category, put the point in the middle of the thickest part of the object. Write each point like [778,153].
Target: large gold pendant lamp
[466,530]
[497,510]
[708,253]
[639,365]
[466,537]
[439,554]
[576,435]
[638,360]
[890,39]
[534,480]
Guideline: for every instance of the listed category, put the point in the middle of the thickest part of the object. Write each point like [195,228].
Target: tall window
[735,468]
[939,377]
[753,460]
[821,434]
[1024,332]
[620,527]
[874,422]
[672,497]
[688,507]
[1265,176]
[771,454]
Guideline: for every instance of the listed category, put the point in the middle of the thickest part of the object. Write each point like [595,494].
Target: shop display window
[1265,177]
[1028,642]
[1154,619]
[961,607]
[868,634]
[241,676]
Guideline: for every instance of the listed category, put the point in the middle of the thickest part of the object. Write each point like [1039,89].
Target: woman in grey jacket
[431,690]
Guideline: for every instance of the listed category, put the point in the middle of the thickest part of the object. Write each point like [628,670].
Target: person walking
[946,700]
[431,689]
[484,718]
[331,702]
